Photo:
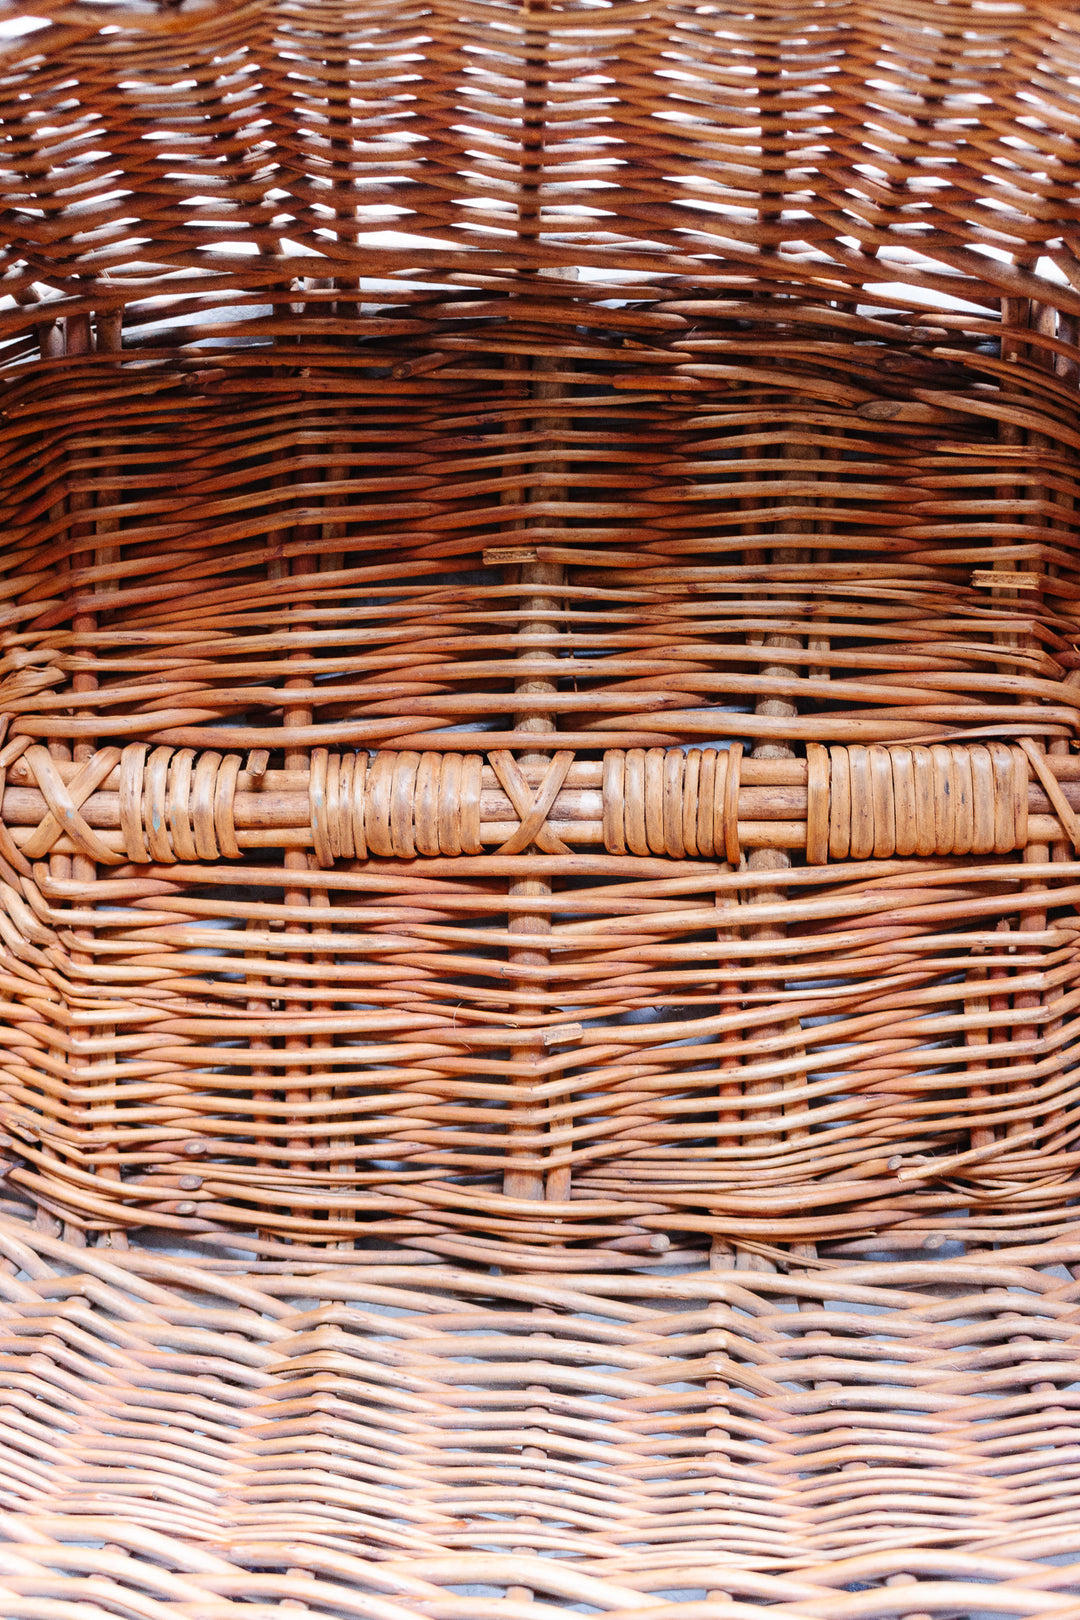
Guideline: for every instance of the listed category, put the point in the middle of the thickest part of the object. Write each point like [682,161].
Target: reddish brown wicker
[539,809]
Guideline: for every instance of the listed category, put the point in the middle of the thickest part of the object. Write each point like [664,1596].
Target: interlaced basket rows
[539,809]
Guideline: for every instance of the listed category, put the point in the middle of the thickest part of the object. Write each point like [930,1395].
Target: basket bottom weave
[401,1438]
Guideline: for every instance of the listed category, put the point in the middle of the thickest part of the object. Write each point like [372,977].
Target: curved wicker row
[930,146]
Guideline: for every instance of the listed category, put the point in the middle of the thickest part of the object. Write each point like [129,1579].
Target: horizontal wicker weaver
[539,809]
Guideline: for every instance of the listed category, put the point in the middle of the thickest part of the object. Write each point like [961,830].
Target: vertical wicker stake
[78,341]
[1066,329]
[321,1096]
[333,557]
[303,1146]
[73,338]
[108,338]
[773,157]
[1044,321]
[540,605]
[297,1096]
[1016,316]
[261,991]
[262,1096]
[52,340]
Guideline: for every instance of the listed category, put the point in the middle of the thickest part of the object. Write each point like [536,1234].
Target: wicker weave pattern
[475,534]
[179,633]
[539,810]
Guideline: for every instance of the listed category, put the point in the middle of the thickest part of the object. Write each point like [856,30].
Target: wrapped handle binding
[168,805]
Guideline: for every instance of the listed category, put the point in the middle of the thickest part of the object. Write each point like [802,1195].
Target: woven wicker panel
[547,499]
[777,1439]
[202,565]
[539,810]
[655,137]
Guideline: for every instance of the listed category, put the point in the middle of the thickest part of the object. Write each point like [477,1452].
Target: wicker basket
[539,810]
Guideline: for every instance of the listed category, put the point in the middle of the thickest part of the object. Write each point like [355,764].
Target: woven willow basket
[539,809]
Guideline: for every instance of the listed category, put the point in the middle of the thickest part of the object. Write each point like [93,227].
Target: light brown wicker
[539,809]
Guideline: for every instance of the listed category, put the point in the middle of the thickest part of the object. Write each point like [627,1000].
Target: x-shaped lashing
[533,810]
[64,799]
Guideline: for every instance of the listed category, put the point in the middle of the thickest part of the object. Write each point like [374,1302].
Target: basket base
[405,1433]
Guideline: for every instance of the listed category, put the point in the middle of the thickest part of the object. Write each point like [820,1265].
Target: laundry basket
[539,809]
